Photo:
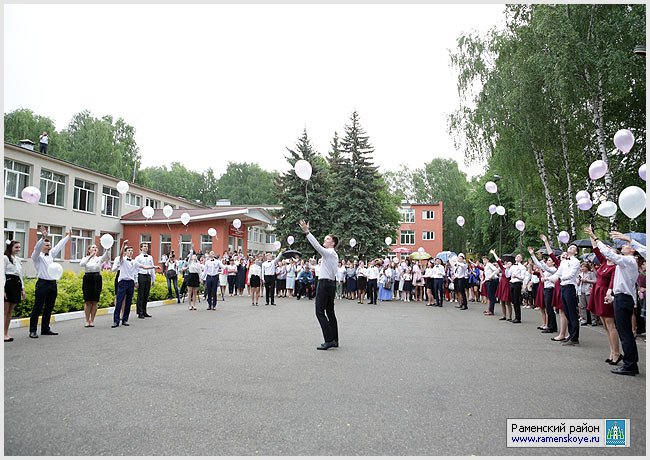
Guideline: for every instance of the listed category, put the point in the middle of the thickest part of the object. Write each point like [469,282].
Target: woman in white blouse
[92,281]
[14,286]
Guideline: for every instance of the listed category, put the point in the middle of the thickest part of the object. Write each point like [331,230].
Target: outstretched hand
[304,226]
[531,250]
[543,237]
[620,236]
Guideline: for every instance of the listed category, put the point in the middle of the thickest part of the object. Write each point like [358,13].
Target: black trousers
[372,291]
[211,285]
[144,287]
[515,294]
[459,286]
[623,311]
[438,290]
[570,305]
[551,321]
[491,288]
[325,294]
[269,287]
[44,298]
[231,284]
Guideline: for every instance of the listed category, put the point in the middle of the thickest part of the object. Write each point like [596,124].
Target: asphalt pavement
[247,380]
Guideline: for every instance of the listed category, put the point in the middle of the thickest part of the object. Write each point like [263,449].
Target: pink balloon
[585,204]
[491,187]
[563,237]
[31,194]
[492,209]
[624,140]
[597,169]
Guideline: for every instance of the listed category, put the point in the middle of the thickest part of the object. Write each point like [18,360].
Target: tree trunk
[550,210]
[565,159]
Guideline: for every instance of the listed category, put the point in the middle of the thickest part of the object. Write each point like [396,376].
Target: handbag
[451,286]
[171,273]
[388,284]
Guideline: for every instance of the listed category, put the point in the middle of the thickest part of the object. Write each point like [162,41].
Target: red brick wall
[431,246]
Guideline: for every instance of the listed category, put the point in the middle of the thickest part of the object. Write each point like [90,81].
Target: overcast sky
[208,84]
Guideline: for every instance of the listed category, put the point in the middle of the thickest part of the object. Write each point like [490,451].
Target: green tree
[247,184]
[25,124]
[176,181]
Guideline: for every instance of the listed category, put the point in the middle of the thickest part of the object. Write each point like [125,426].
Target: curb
[24,322]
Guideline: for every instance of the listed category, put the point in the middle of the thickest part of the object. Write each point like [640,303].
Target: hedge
[70,296]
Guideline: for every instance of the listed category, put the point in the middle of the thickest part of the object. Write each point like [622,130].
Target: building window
[407,237]
[428,236]
[428,215]
[15,230]
[206,244]
[144,238]
[270,238]
[80,241]
[165,244]
[407,215]
[16,178]
[110,202]
[55,235]
[256,235]
[84,196]
[153,203]
[133,200]
[52,188]
[185,246]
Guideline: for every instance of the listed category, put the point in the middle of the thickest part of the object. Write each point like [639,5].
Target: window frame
[405,213]
[88,192]
[14,230]
[54,238]
[87,240]
[425,213]
[406,233]
[57,193]
[18,174]
[426,233]
[115,198]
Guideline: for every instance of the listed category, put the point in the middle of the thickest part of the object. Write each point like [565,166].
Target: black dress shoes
[49,333]
[33,335]
[336,344]
[516,321]
[325,346]
[124,323]
[116,325]
[614,363]
[141,316]
[624,371]
[147,315]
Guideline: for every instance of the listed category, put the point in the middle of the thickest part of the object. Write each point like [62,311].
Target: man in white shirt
[326,288]
[517,275]
[146,278]
[46,290]
[491,273]
[438,275]
[372,275]
[213,268]
[269,267]
[567,273]
[460,280]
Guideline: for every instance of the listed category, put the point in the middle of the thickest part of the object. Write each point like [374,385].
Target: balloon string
[306,197]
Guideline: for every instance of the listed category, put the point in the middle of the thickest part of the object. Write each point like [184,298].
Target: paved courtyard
[243,380]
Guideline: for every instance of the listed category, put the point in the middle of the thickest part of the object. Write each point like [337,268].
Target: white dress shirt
[213,268]
[372,273]
[461,270]
[146,260]
[547,272]
[15,269]
[438,271]
[42,261]
[626,273]
[128,269]
[330,260]
[491,271]
[517,273]
[93,264]
[567,272]
[269,266]
[255,269]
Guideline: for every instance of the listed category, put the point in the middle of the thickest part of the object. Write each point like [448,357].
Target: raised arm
[39,245]
[60,245]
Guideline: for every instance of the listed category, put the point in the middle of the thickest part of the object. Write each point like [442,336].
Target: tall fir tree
[302,199]
[365,210]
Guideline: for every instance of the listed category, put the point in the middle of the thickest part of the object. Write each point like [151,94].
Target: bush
[70,295]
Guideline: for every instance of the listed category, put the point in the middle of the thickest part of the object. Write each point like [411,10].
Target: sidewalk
[24,322]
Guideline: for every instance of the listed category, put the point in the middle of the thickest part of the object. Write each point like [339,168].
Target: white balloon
[168,211]
[624,140]
[147,212]
[582,194]
[460,220]
[55,270]
[107,241]
[492,209]
[597,169]
[212,232]
[585,204]
[277,245]
[607,209]
[421,250]
[642,172]
[353,242]
[122,187]
[632,201]
[236,223]
[388,240]
[396,260]
[31,194]
[520,225]
[290,239]
[563,236]
[501,210]
[491,187]
[185,218]
[303,169]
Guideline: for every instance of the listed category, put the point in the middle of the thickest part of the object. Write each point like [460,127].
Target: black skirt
[91,286]
[13,288]
[255,281]
[361,283]
[192,280]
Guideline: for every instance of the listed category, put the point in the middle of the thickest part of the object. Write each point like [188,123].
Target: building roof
[107,176]
[247,214]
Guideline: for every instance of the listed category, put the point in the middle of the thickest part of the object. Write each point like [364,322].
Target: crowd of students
[565,291]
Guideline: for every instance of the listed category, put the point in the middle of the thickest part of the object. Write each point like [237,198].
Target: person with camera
[171,274]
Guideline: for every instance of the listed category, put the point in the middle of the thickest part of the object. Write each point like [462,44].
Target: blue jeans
[124,292]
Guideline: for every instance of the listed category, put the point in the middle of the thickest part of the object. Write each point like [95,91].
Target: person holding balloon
[92,281]
[46,289]
[14,284]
